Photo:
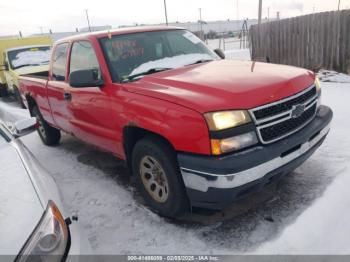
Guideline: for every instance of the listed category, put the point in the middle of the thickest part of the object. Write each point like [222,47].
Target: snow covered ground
[308,213]
[332,76]
[232,48]
[231,43]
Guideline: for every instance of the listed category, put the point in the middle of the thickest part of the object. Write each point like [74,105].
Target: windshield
[33,56]
[150,52]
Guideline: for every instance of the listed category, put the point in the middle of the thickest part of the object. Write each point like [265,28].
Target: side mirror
[23,127]
[220,53]
[85,78]
[5,66]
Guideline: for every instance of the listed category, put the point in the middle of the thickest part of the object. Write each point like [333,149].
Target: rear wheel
[3,90]
[18,97]
[48,134]
[158,177]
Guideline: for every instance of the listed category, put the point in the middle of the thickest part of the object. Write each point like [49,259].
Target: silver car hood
[20,206]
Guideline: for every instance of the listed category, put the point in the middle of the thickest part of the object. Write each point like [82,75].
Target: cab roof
[119,31]
[25,47]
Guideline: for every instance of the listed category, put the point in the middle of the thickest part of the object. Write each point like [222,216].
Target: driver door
[90,113]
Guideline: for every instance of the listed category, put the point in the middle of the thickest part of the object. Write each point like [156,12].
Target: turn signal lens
[216,147]
[318,84]
[222,146]
[318,90]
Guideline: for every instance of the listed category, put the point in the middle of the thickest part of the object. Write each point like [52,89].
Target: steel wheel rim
[154,179]
[41,128]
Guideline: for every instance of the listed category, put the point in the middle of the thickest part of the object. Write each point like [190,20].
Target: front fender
[185,129]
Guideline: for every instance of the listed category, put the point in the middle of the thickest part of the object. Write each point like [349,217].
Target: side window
[59,65]
[83,57]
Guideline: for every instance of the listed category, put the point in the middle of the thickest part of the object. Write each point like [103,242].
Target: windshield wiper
[200,61]
[26,65]
[148,72]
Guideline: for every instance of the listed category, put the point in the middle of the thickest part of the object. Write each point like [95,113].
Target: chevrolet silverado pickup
[196,130]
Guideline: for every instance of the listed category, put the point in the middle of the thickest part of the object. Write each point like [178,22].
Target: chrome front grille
[282,118]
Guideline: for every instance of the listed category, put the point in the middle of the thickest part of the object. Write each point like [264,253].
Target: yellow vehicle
[21,56]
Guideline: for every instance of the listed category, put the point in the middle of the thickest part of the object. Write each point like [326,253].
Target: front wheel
[48,134]
[158,177]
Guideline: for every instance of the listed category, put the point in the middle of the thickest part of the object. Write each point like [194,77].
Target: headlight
[222,146]
[226,119]
[49,240]
[318,90]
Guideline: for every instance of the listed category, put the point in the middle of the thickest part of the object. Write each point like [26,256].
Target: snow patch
[41,57]
[11,113]
[332,76]
[239,54]
[171,62]
[322,229]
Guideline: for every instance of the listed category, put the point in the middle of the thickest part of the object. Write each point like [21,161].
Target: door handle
[67,96]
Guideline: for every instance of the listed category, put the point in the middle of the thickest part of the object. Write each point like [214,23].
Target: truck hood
[31,69]
[224,84]
[20,207]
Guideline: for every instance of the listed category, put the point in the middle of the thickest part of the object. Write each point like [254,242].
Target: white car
[33,222]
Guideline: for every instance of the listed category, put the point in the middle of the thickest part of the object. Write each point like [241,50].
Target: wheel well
[133,134]
[31,103]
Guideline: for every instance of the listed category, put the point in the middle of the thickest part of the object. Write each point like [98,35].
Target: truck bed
[32,83]
[40,75]
[35,86]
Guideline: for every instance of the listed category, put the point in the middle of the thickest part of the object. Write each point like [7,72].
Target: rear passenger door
[90,107]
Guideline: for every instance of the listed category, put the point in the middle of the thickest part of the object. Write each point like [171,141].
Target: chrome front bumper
[193,179]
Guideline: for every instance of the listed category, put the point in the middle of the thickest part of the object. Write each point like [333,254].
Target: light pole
[338,5]
[260,12]
[87,18]
[200,22]
[166,13]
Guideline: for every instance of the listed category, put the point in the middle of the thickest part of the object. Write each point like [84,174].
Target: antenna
[166,13]
[88,20]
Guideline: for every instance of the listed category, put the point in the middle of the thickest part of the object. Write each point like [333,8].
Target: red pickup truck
[194,128]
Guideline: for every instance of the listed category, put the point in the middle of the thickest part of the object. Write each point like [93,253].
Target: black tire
[48,134]
[176,202]
[18,97]
[3,90]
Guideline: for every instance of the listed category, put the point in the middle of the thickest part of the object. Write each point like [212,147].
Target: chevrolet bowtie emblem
[298,110]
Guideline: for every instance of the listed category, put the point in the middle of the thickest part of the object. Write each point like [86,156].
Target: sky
[35,16]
